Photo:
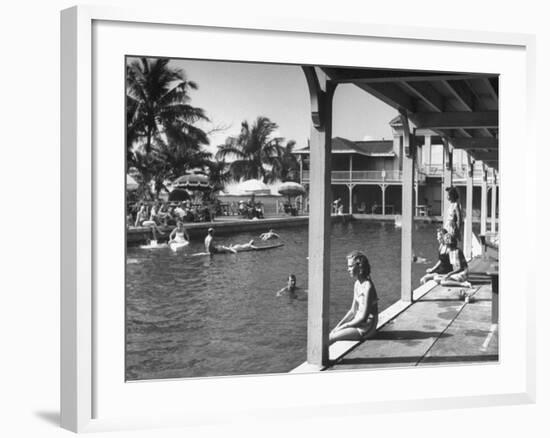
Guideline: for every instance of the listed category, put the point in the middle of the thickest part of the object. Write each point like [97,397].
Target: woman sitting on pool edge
[361,320]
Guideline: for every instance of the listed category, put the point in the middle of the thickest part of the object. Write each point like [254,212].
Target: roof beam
[390,94]
[484,156]
[467,98]
[427,93]
[358,76]
[474,143]
[456,120]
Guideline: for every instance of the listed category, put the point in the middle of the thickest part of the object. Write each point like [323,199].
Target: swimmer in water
[212,248]
[290,288]
[271,234]
[178,234]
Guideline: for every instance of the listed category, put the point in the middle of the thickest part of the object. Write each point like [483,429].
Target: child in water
[290,288]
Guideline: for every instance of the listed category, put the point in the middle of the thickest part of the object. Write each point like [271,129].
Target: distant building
[367,175]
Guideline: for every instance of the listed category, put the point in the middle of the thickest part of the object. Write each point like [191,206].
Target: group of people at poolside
[451,269]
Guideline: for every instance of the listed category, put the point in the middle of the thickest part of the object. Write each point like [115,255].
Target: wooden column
[484,202]
[428,144]
[494,204]
[319,217]
[407,210]
[467,248]
[447,174]
[383,187]
[350,189]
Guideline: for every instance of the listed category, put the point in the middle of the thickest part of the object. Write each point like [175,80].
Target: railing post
[407,209]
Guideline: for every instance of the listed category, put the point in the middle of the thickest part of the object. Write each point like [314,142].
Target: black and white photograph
[308,218]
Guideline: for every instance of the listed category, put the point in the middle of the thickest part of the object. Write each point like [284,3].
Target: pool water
[196,316]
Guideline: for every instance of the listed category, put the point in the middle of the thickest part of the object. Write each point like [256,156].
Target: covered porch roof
[462,108]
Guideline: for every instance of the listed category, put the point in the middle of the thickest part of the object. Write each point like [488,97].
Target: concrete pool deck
[438,327]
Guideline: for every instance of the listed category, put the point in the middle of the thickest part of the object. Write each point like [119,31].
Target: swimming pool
[210,316]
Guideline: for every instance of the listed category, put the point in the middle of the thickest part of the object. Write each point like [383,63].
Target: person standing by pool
[361,320]
[453,215]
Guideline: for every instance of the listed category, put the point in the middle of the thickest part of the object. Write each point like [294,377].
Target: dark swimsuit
[445,265]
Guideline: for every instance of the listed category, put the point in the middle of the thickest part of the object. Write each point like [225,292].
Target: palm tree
[287,167]
[255,151]
[157,107]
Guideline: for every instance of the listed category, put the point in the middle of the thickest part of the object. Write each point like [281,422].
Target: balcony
[460,172]
[360,176]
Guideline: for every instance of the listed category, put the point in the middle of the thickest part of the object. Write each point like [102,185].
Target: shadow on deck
[438,328]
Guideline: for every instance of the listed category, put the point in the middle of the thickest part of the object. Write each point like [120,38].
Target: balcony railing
[345,176]
[378,176]
[460,172]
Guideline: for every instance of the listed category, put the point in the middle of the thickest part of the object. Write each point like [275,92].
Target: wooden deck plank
[439,328]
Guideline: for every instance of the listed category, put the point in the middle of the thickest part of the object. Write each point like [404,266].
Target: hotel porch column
[407,209]
[494,203]
[383,187]
[483,230]
[447,174]
[469,210]
[321,92]
[350,189]
[350,185]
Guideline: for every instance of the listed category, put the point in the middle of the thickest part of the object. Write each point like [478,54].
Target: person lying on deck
[361,320]
[443,265]
[457,277]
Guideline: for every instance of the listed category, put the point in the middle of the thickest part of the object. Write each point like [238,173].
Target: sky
[232,92]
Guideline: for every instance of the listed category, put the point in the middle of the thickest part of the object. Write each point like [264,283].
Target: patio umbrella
[194,181]
[131,183]
[178,195]
[254,187]
[291,188]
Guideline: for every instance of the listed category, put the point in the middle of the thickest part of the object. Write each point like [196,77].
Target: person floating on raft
[271,234]
[212,248]
[178,237]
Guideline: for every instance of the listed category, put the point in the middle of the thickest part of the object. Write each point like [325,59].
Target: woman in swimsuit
[178,234]
[443,264]
[453,216]
[362,318]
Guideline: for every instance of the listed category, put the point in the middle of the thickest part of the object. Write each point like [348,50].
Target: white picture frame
[84,176]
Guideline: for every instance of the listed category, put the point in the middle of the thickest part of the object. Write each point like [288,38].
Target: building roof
[375,148]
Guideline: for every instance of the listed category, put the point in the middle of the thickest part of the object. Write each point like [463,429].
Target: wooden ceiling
[461,107]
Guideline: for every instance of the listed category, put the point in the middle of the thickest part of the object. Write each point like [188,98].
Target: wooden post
[469,210]
[447,175]
[484,202]
[319,218]
[407,210]
[383,187]
[428,144]
[350,188]
[494,204]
